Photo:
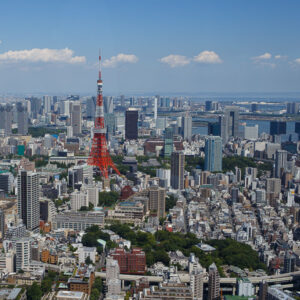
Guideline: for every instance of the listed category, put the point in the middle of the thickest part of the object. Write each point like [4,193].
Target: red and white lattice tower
[99,155]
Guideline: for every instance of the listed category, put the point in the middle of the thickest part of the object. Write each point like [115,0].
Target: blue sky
[150,46]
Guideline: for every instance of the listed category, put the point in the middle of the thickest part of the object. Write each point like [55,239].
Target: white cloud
[208,57]
[174,60]
[42,55]
[262,57]
[114,61]
[297,60]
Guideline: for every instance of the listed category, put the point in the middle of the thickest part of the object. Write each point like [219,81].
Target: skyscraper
[168,146]
[28,199]
[213,283]
[157,200]
[280,162]
[289,262]
[177,170]
[292,108]
[22,254]
[6,116]
[35,106]
[108,105]
[223,124]
[208,105]
[131,124]
[187,128]
[76,118]
[90,107]
[213,154]
[155,109]
[2,224]
[277,127]
[22,117]
[112,277]
[47,101]
[232,119]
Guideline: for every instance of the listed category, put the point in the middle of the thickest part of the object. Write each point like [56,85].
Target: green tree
[46,285]
[95,294]
[34,292]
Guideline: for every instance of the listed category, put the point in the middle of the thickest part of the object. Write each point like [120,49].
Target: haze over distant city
[184,47]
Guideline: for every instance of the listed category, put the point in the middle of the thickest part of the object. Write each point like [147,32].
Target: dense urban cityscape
[149,150]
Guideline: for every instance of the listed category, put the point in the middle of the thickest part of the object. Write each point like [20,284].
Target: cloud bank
[45,55]
[114,61]
[174,60]
[208,57]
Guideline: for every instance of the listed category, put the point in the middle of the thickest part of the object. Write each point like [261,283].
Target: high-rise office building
[280,162]
[90,107]
[213,283]
[187,128]
[28,199]
[254,107]
[6,117]
[251,132]
[273,186]
[2,224]
[214,129]
[292,108]
[47,102]
[76,118]
[155,109]
[213,154]
[22,254]
[177,170]
[232,118]
[277,127]
[131,124]
[223,125]
[36,105]
[289,262]
[208,105]
[157,200]
[168,142]
[108,105]
[22,117]
[6,182]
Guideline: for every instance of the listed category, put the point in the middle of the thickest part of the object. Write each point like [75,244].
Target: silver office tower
[187,128]
[28,199]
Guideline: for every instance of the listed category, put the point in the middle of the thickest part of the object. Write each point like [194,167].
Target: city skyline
[150,46]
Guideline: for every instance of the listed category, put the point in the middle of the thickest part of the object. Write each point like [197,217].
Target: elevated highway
[276,279]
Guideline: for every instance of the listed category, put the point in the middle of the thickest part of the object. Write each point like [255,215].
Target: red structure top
[99,155]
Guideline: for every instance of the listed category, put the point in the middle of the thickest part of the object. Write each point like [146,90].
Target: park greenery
[108,199]
[229,163]
[157,246]
[170,202]
[41,131]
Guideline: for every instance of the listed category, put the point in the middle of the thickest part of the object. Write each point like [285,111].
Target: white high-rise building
[251,132]
[155,109]
[22,254]
[112,277]
[93,195]
[78,199]
[164,174]
[47,103]
[187,126]
[28,199]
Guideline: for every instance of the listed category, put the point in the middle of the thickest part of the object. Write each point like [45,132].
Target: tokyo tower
[99,156]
